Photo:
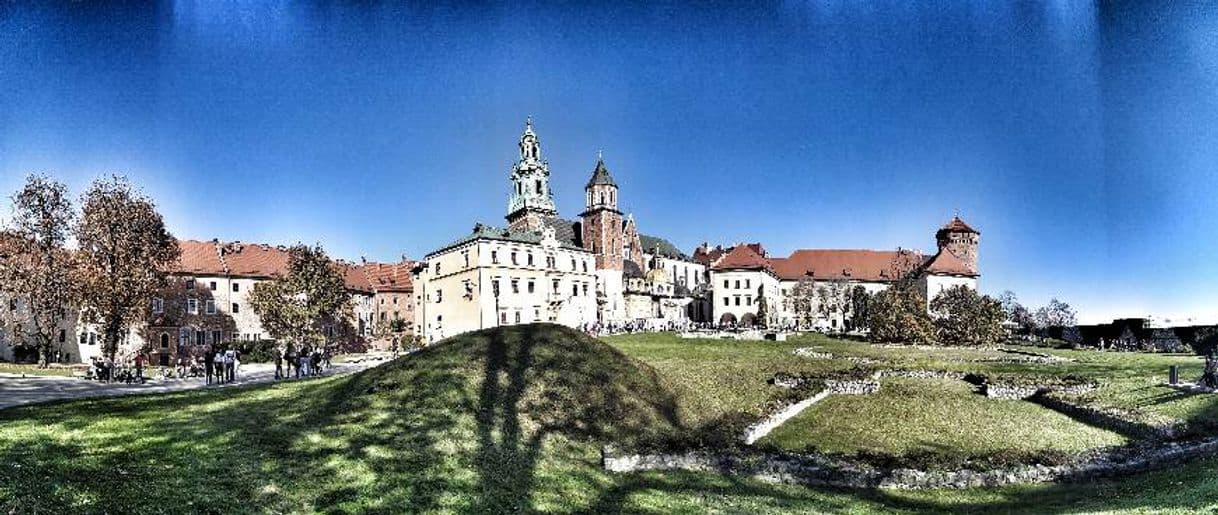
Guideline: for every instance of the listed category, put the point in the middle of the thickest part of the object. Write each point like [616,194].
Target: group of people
[122,371]
[221,366]
[306,361]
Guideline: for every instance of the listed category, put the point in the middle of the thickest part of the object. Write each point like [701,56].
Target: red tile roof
[947,263]
[835,264]
[255,259]
[389,277]
[354,277]
[958,225]
[198,257]
[744,257]
[708,256]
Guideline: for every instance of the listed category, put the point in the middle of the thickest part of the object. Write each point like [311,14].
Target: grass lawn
[504,420]
[918,416]
[34,370]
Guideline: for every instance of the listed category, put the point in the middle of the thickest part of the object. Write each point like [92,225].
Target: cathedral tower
[961,240]
[531,201]
[602,222]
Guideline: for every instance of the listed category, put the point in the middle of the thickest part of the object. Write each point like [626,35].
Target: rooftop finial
[600,155]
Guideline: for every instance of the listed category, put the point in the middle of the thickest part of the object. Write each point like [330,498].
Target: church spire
[531,199]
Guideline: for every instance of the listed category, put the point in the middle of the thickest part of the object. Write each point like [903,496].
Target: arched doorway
[727,319]
[748,320]
[163,354]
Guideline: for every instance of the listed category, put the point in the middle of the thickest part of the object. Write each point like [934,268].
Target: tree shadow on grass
[293,447]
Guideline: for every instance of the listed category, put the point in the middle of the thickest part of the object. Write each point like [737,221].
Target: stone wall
[825,471]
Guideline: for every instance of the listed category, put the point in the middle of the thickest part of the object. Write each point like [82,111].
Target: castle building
[542,267]
[811,288]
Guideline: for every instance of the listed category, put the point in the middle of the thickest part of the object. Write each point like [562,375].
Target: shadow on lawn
[294,446]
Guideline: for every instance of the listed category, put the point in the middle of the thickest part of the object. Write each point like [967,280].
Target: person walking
[230,361]
[209,363]
[278,364]
[139,367]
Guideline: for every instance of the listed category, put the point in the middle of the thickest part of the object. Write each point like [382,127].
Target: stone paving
[17,391]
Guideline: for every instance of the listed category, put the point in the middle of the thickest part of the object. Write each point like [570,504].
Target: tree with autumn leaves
[124,253]
[38,275]
[303,305]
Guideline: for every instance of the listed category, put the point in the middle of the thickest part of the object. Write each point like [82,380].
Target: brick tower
[961,240]
[602,222]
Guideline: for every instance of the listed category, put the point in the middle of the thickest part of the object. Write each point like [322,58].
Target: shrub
[965,317]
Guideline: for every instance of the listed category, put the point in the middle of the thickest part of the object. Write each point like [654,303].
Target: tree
[37,273]
[802,300]
[904,267]
[125,250]
[898,314]
[1015,312]
[301,307]
[1056,314]
[832,299]
[965,317]
[860,308]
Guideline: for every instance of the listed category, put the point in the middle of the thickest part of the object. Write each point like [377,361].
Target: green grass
[35,370]
[910,417]
[497,421]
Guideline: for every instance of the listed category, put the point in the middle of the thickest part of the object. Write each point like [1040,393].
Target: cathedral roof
[567,232]
[661,247]
[600,175]
[631,270]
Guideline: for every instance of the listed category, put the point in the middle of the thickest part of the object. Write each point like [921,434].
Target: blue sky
[1078,138]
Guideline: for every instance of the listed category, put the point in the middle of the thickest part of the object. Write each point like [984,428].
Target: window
[748,300]
[84,337]
[395,301]
[727,301]
[210,306]
[530,258]
[746,283]
[12,305]
[537,183]
[585,267]
[439,296]
[536,314]
[737,301]
[236,308]
[515,286]
[396,316]
[574,289]
[554,287]
[517,317]
[158,305]
[737,284]
[549,261]
[236,286]
[514,261]
[503,317]
[437,268]
[383,316]
[190,283]
[495,286]
[184,336]
[495,257]
[465,256]
[192,306]
[725,284]
[216,336]
[585,287]
[574,267]
[212,285]
[531,286]
[63,336]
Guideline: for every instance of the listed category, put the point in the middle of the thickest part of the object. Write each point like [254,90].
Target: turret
[961,241]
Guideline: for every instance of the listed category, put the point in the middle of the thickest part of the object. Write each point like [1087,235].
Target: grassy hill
[504,420]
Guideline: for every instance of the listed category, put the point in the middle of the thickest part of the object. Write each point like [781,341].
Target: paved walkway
[16,390]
